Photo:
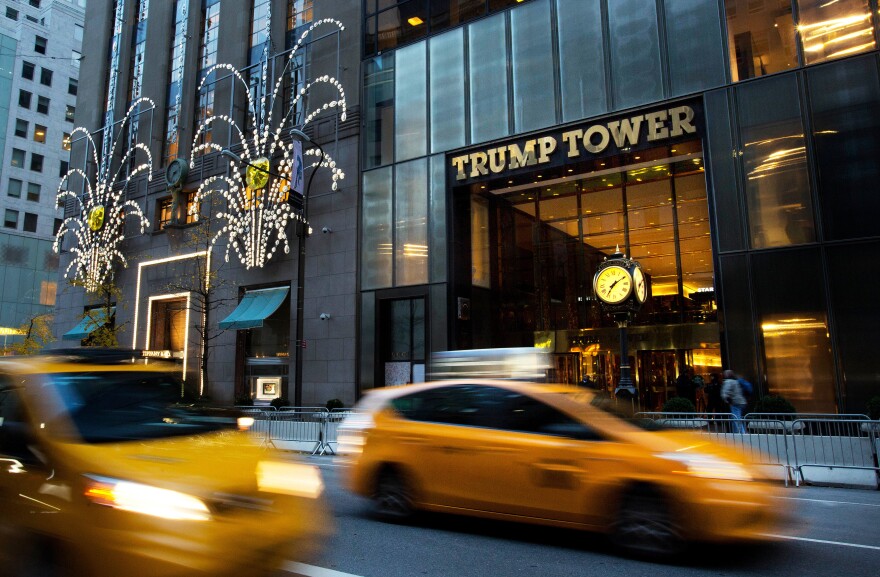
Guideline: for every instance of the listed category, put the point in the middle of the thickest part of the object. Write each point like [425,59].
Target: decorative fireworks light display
[257,193]
[99,229]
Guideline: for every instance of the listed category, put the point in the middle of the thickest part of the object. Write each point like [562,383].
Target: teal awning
[254,308]
[92,320]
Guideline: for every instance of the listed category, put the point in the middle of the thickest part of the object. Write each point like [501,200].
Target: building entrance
[535,246]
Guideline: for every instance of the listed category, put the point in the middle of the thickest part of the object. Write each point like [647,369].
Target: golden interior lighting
[415,21]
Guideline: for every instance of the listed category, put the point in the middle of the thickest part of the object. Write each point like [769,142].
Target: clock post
[620,287]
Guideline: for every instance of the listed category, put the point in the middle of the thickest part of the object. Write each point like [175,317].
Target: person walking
[731,393]
[684,385]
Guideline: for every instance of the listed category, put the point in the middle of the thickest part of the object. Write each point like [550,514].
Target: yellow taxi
[549,454]
[104,472]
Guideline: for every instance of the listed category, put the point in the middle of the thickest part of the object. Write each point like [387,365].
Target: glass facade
[745,229]
[175,81]
[209,37]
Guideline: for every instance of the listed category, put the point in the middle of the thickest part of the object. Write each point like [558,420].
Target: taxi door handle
[411,440]
[499,450]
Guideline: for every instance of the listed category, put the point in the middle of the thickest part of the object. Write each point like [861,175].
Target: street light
[301,270]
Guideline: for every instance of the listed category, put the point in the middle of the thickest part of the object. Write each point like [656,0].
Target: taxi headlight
[145,499]
[709,466]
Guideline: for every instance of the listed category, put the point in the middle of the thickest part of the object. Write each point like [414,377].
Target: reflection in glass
[581,58]
[774,158]
[487,40]
[760,38]
[379,104]
[635,53]
[834,29]
[447,91]
[411,225]
[480,273]
[534,100]
[377,246]
[411,99]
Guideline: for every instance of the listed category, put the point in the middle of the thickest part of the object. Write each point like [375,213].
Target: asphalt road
[837,533]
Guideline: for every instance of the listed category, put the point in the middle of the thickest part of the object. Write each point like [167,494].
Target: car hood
[682,442]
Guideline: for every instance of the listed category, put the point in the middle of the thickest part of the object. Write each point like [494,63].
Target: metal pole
[626,383]
[300,277]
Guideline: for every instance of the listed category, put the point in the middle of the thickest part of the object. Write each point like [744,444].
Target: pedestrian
[684,385]
[731,393]
[713,395]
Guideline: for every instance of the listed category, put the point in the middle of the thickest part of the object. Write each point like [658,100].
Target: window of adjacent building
[27,70]
[35,3]
[33,192]
[30,222]
[75,58]
[24,99]
[72,86]
[17,158]
[21,127]
[11,13]
[14,188]
[777,183]
[78,32]
[45,77]
[762,38]
[40,44]
[10,220]
[56,226]
[40,133]
[69,113]
[42,105]
[63,168]
[65,141]
[37,162]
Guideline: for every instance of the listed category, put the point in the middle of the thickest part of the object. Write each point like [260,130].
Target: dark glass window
[272,340]
[470,405]
[57,226]
[42,105]
[37,162]
[449,13]
[581,59]
[14,189]
[834,29]
[402,24]
[693,27]
[30,222]
[723,186]
[10,219]
[736,303]
[45,77]
[40,45]
[33,192]
[11,13]
[846,133]
[17,159]
[27,70]
[774,159]
[69,113]
[528,415]
[857,316]
[72,86]
[24,98]
[21,127]
[790,303]
[63,168]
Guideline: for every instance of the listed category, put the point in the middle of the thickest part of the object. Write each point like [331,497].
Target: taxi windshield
[107,406]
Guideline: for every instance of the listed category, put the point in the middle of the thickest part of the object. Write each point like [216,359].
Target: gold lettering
[520,158]
[626,131]
[571,139]
[458,162]
[656,127]
[478,164]
[604,138]
[681,120]
[547,144]
[497,159]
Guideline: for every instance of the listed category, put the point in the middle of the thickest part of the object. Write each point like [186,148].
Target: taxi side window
[14,428]
[467,405]
[528,415]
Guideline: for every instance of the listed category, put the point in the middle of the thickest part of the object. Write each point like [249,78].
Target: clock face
[613,284]
[96,218]
[641,287]
[176,172]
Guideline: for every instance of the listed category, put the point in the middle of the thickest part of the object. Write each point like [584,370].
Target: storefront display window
[272,340]
[168,325]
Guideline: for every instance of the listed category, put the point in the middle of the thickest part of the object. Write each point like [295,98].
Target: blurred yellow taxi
[104,472]
[549,454]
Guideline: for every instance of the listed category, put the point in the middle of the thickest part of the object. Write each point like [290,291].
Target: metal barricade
[763,443]
[262,427]
[331,431]
[828,444]
[301,427]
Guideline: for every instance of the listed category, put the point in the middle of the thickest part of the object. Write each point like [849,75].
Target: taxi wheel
[393,498]
[645,526]
[34,557]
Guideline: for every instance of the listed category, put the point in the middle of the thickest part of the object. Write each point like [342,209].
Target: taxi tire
[393,496]
[35,556]
[645,525]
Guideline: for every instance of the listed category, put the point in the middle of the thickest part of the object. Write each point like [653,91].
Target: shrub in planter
[679,405]
[244,401]
[334,404]
[873,408]
[774,404]
[279,402]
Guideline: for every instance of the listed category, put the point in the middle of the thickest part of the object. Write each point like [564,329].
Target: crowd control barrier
[304,429]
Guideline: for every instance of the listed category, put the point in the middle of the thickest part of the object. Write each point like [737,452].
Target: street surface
[837,533]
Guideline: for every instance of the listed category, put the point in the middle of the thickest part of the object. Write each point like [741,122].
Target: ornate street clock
[620,287]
